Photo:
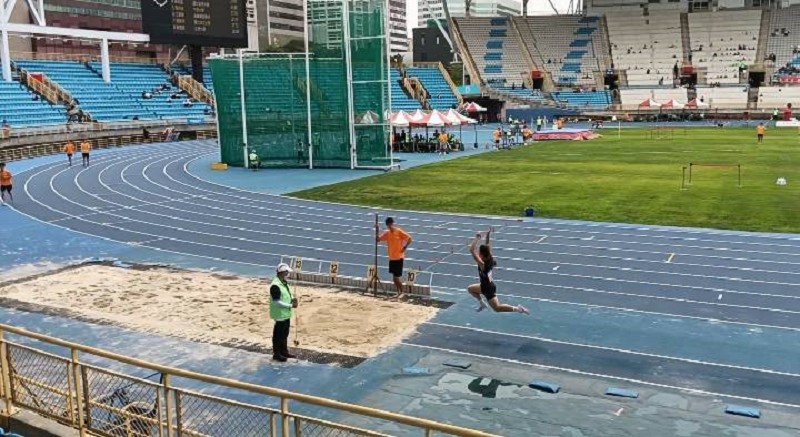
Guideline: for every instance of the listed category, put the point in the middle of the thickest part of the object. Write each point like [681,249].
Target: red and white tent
[453,114]
[400,119]
[649,103]
[672,104]
[453,117]
[474,107]
[417,116]
[434,119]
[694,103]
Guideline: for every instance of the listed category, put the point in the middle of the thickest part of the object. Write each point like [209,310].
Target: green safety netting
[277,117]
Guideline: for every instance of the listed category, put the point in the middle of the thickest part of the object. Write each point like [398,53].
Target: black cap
[389,221]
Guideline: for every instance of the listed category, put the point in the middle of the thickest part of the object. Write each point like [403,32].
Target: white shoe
[522,310]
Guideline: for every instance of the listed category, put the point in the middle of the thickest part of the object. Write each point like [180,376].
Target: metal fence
[111,403]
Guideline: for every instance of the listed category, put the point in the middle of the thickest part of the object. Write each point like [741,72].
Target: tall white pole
[348,62]
[308,88]
[244,110]
[5,55]
[105,61]
[388,91]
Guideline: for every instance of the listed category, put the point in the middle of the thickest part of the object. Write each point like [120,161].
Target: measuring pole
[375,262]
[244,110]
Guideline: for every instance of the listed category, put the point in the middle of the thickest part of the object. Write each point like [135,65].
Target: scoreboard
[215,23]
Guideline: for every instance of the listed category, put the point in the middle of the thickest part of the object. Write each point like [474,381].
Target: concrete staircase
[466,56]
[763,37]
[686,38]
[549,85]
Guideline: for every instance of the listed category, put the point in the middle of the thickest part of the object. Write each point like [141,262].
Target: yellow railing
[48,89]
[100,401]
[195,89]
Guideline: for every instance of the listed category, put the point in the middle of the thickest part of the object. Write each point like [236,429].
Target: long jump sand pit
[219,309]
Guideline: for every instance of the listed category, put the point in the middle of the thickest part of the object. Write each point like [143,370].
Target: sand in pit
[222,309]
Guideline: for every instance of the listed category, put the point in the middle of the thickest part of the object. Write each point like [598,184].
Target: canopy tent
[474,107]
[649,103]
[672,104]
[417,116]
[400,119]
[434,119]
[369,117]
[694,103]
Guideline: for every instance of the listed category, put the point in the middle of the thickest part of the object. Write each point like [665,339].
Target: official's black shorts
[85,155]
[69,155]
[396,267]
[760,136]
[489,290]
[5,188]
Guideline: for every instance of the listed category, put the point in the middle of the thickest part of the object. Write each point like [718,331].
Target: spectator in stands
[6,184]
[6,128]
[147,95]
[281,307]
[187,103]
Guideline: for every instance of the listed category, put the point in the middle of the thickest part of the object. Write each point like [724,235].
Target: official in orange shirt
[6,183]
[761,130]
[497,134]
[86,148]
[69,149]
[397,241]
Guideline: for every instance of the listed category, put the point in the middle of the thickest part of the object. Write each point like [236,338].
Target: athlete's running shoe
[521,309]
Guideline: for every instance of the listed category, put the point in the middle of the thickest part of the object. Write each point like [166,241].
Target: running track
[714,312]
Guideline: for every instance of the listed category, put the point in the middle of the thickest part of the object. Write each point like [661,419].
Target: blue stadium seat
[400,100]
[122,98]
[493,56]
[494,44]
[594,99]
[579,43]
[442,96]
[19,109]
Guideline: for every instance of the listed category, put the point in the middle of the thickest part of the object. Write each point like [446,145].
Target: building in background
[434,9]
[398,27]
[279,21]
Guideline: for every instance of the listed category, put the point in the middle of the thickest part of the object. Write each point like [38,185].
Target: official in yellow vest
[281,309]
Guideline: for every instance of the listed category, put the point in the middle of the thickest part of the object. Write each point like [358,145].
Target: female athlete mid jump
[486,263]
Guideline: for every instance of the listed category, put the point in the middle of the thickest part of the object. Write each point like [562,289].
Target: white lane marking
[617,350]
[541,239]
[602,375]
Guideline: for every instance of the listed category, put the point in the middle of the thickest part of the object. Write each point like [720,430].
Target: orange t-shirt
[497,134]
[69,148]
[761,130]
[6,179]
[86,147]
[395,240]
[442,137]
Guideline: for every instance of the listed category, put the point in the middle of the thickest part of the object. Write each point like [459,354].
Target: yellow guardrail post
[169,394]
[6,374]
[285,417]
[79,387]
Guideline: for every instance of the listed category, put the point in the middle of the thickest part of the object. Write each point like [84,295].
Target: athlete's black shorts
[85,155]
[760,137]
[5,188]
[396,267]
[489,290]
[69,155]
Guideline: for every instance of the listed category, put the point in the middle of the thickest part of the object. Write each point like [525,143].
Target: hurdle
[312,271]
[692,165]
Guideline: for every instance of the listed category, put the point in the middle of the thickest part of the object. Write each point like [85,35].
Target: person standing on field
[397,241]
[86,148]
[6,183]
[281,308]
[760,131]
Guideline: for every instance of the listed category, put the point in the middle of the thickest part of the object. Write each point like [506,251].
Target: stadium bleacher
[727,97]
[400,100]
[783,45]
[496,50]
[570,47]
[133,79]
[645,46]
[442,96]
[586,100]
[724,41]
[119,100]
[20,108]
[777,97]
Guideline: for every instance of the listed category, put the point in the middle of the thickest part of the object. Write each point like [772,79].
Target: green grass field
[631,179]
